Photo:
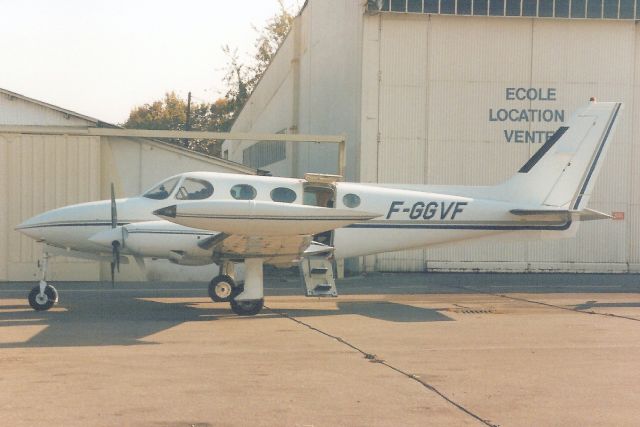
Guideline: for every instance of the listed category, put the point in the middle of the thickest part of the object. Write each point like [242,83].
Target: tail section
[562,173]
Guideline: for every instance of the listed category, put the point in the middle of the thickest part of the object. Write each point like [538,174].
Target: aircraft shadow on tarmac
[127,320]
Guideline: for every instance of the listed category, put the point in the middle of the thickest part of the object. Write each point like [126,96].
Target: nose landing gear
[43,296]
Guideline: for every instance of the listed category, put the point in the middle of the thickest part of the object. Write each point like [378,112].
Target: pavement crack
[374,359]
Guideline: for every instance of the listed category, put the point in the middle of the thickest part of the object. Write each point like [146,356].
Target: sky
[102,58]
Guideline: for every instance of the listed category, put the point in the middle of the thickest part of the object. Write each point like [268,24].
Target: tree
[240,81]
[168,114]
[269,40]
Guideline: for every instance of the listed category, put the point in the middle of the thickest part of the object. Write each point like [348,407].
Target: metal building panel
[632,213]
[369,107]
[404,60]
[330,84]
[14,110]
[479,49]
[401,261]
[402,161]
[4,207]
[403,99]
[466,144]
[49,172]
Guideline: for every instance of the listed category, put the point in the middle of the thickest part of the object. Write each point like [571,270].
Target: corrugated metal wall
[42,173]
[441,80]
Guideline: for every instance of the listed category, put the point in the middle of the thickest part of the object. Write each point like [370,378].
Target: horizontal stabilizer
[582,215]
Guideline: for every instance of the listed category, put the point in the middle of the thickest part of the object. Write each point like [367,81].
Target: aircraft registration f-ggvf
[201,218]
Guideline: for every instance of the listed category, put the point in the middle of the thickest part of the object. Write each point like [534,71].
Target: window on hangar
[574,9]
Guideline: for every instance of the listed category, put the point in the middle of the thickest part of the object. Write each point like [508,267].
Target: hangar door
[38,173]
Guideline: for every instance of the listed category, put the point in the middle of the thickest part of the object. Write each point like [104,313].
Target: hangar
[457,92]
[45,171]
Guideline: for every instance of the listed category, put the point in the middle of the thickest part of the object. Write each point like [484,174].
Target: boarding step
[317,276]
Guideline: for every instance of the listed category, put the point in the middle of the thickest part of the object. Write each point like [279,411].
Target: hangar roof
[93,122]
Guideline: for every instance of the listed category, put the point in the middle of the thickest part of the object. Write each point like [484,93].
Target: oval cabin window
[243,192]
[351,200]
[283,195]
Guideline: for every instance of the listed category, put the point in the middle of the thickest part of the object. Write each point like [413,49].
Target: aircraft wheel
[248,307]
[43,302]
[222,288]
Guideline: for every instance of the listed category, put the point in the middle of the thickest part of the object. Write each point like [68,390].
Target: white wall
[39,173]
[312,85]
[442,78]
[17,111]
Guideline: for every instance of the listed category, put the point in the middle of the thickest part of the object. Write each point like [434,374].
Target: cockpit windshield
[194,189]
[162,190]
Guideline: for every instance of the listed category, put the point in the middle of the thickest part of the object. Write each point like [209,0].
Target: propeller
[115,245]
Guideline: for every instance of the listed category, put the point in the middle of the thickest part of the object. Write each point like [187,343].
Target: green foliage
[240,81]
[268,42]
[168,114]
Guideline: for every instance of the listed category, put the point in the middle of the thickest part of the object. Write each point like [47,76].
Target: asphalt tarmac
[393,349]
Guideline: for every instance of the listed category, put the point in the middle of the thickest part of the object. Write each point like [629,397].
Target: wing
[251,218]
[278,232]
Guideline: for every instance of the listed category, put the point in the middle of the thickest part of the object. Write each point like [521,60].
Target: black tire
[55,293]
[43,304]
[248,307]
[222,288]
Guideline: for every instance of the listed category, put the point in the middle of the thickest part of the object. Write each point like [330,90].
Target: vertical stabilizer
[561,174]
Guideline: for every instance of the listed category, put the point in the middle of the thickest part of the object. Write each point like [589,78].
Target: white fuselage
[406,218]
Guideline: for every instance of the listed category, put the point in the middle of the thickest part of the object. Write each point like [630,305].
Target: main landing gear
[43,296]
[245,300]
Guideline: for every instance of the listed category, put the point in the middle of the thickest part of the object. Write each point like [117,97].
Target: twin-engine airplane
[226,219]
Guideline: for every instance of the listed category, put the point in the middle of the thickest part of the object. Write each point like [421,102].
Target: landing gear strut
[43,296]
[251,300]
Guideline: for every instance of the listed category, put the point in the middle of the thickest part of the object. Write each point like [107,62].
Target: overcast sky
[101,58]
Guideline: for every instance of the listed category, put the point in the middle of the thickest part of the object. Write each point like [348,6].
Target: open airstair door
[317,270]
[317,275]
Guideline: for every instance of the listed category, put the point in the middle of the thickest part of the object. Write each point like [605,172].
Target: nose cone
[60,223]
[32,226]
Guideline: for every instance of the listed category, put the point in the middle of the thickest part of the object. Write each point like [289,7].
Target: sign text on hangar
[528,115]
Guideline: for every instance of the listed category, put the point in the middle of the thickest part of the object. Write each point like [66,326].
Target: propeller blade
[114,211]
[117,256]
[115,262]
[113,276]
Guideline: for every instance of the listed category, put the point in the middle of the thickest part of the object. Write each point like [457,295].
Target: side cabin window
[351,200]
[162,190]
[243,192]
[284,195]
[194,189]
